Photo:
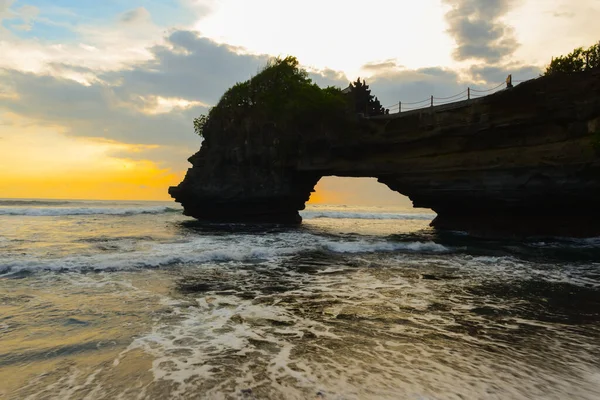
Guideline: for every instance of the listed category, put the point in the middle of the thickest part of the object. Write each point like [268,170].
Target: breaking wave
[365,215]
[207,251]
[366,247]
[35,203]
[64,211]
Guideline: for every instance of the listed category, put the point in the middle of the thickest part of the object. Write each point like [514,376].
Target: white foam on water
[388,344]
[66,211]
[219,327]
[509,268]
[366,215]
[364,246]
[156,257]
[584,243]
[209,249]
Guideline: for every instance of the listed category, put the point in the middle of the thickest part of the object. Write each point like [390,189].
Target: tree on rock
[364,101]
[578,60]
[280,96]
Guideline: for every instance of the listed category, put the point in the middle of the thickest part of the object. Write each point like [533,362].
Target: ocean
[133,300]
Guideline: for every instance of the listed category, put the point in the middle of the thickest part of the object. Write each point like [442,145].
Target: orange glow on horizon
[43,162]
[143,182]
[322,195]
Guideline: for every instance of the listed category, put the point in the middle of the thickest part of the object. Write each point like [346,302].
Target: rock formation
[523,161]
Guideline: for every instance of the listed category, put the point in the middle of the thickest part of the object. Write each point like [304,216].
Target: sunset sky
[97,97]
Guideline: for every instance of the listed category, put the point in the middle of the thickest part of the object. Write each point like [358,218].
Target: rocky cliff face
[524,160]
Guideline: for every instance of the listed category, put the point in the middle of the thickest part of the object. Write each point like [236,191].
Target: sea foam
[366,215]
[65,211]
[206,250]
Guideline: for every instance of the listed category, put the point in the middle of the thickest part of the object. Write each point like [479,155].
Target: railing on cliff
[467,94]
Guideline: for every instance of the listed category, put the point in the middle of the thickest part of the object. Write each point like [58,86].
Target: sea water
[132,300]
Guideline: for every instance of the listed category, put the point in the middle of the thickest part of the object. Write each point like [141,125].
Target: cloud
[26,15]
[409,86]
[96,110]
[564,14]
[497,74]
[135,16]
[392,83]
[5,7]
[149,103]
[329,77]
[200,8]
[153,102]
[478,30]
[379,66]
[95,37]
[190,67]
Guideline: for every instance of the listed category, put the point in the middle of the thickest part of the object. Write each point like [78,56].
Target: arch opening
[362,206]
[356,192]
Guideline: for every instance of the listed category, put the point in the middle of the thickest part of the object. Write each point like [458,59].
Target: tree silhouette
[364,101]
[280,95]
[579,59]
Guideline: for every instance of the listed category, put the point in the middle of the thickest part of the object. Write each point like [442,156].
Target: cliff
[523,161]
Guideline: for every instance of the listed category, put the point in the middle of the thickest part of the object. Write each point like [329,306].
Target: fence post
[399,107]
[468,93]
[431,100]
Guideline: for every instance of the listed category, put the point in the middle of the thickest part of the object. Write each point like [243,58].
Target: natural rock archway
[524,160]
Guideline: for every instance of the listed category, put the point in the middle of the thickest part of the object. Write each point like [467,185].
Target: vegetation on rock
[281,96]
[364,101]
[578,60]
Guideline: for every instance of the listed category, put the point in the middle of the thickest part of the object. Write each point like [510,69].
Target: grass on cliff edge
[281,95]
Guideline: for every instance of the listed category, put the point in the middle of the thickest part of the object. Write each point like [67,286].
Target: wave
[209,250]
[38,203]
[366,247]
[564,242]
[135,260]
[363,215]
[65,211]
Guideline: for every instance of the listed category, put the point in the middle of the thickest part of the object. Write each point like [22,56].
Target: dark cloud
[478,30]
[97,110]
[189,67]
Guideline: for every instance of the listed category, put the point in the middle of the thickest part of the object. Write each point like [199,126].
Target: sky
[97,97]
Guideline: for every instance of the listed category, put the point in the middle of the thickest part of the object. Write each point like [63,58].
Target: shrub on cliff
[578,60]
[364,102]
[281,95]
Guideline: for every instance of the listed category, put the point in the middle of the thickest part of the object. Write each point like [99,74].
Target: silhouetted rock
[522,161]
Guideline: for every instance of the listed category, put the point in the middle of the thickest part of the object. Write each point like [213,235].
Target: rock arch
[524,160]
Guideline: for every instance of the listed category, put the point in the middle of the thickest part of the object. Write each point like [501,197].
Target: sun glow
[43,162]
[356,191]
[335,34]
